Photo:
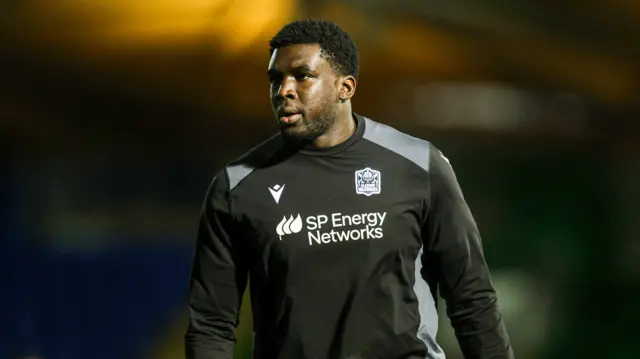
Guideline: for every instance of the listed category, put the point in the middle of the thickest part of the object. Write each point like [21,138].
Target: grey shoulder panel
[257,157]
[237,172]
[411,148]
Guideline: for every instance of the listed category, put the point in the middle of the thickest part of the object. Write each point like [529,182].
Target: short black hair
[336,44]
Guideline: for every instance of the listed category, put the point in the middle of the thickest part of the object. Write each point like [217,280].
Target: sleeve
[454,255]
[218,279]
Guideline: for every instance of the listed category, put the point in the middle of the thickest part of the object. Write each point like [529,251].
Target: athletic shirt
[346,249]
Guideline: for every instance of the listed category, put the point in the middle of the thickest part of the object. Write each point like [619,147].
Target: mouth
[289,117]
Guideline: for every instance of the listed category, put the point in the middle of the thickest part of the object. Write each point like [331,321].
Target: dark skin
[310,99]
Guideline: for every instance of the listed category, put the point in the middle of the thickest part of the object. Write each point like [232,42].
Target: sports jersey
[346,249]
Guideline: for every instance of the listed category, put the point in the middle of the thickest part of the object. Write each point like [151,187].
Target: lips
[290,119]
[289,116]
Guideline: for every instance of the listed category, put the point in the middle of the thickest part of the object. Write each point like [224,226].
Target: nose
[287,89]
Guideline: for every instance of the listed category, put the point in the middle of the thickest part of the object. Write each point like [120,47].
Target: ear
[347,87]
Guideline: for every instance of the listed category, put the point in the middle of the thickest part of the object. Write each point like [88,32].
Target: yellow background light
[234,25]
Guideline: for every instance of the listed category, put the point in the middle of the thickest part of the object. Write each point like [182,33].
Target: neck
[342,129]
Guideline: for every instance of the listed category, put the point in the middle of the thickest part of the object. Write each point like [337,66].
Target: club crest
[368,181]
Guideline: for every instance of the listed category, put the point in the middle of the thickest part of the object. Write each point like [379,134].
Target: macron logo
[276,192]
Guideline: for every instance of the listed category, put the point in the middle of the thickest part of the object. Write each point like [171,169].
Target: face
[305,91]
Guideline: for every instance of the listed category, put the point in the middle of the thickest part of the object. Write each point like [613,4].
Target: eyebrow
[296,69]
[301,68]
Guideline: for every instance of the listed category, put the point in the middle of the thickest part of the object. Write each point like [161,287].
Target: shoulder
[414,149]
[258,157]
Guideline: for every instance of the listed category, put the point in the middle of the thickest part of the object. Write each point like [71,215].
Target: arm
[454,256]
[218,279]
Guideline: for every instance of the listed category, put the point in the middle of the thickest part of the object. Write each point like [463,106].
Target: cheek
[317,96]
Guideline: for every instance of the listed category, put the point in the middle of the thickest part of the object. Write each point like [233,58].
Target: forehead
[294,56]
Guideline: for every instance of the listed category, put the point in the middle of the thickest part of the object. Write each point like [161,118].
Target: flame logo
[289,225]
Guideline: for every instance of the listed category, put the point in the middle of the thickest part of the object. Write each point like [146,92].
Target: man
[346,227]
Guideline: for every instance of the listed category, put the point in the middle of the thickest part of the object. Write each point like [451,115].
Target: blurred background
[115,115]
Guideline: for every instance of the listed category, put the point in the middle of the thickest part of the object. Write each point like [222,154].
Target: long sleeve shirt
[346,249]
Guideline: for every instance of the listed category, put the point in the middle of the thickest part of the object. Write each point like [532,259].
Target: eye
[303,77]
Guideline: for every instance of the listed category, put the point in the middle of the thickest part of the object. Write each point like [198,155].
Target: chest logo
[289,225]
[368,182]
[276,192]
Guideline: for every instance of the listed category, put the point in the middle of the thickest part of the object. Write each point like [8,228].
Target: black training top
[346,249]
